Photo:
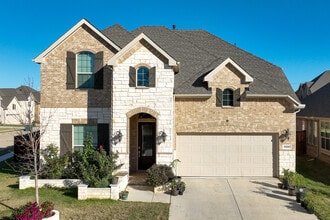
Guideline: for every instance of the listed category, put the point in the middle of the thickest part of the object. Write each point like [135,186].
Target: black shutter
[65,139]
[70,70]
[152,77]
[132,77]
[98,67]
[103,136]
[237,95]
[218,96]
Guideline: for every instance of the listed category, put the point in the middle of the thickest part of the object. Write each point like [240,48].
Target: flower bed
[85,192]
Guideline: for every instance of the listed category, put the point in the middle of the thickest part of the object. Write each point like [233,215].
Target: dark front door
[147,145]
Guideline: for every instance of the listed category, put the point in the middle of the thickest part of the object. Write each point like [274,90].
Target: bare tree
[27,143]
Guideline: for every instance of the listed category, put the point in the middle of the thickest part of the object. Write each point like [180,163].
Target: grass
[70,208]
[317,182]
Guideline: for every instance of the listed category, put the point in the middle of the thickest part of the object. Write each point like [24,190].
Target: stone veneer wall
[60,105]
[258,115]
[158,101]
[52,118]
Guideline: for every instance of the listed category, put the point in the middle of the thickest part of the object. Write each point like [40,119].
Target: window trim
[92,73]
[137,76]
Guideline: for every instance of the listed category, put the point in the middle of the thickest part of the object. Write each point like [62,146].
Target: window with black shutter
[84,70]
[142,77]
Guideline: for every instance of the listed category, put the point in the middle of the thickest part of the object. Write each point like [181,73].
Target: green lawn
[70,208]
[317,176]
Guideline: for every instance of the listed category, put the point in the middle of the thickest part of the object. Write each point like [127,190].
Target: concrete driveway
[235,198]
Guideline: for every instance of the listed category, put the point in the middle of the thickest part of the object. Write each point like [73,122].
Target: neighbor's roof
[21,93]
[199,52]
[317,104]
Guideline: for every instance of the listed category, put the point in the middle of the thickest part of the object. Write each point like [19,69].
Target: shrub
[32,211]
[159,174]
[93,166]
[54,165]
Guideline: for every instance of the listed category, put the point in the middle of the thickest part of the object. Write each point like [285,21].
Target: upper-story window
[228,97]
[85,70]
[142,76]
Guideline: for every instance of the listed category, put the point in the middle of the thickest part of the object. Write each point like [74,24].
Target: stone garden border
[84,192]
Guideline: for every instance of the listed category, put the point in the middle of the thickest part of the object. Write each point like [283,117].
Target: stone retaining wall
[27,182]
[103,193]
[84,192]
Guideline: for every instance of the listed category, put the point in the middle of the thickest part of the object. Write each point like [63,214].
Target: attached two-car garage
[226,155]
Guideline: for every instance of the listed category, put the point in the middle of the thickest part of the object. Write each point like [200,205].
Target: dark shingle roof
[310,87]
[21,93]
[118,35]
[199,52]
[317,104]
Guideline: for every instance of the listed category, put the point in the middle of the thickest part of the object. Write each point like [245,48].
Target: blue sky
[292,34]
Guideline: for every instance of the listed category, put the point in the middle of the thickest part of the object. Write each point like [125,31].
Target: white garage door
[225,155]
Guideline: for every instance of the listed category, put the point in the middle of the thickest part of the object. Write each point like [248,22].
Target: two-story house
[156,94]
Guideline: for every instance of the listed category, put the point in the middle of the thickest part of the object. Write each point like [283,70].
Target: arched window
[228,97]
[85,70]
[143,76]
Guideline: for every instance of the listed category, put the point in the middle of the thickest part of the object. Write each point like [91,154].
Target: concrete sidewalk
[145,194]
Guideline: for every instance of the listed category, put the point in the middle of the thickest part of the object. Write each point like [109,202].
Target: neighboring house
[19,105]
[314,120]
[156,94]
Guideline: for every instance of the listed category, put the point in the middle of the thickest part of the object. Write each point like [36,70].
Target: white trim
[40,58]
[192,95]
[295,102]
[209,77]
[113,60]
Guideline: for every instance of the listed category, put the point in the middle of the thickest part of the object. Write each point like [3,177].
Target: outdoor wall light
[117,137]
[161,138]
[285,135]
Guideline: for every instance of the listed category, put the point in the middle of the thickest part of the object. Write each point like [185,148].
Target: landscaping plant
[93,166]
[159,174]
[32,211]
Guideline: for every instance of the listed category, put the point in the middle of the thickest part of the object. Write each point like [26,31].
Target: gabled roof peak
[40,57]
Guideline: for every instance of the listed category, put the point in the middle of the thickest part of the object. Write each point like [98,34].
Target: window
[143,76]
[228,97]
[85,70]
[14,106]
[79,134]
[312,132]
[325,135]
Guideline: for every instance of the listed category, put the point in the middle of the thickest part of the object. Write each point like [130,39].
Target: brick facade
[257,115]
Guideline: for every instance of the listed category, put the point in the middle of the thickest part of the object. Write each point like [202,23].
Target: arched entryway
[142,140]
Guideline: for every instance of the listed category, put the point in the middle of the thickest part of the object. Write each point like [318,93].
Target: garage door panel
[225,155]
